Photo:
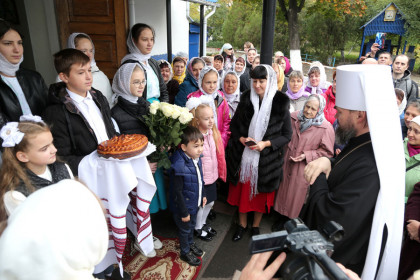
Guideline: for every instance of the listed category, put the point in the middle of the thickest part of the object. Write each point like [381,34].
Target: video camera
[308,251]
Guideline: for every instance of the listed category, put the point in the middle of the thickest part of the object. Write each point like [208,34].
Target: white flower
[184,110]
[166,109]
[31,118]
[176,112]
[154,107]
[11,135]
[185,117]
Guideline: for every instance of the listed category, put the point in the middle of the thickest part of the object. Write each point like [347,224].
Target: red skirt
[239,196]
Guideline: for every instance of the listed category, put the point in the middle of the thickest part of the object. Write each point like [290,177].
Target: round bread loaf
[123,146]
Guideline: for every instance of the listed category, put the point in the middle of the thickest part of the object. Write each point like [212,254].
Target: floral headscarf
[306,123]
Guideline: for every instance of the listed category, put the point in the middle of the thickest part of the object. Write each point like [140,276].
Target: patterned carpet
[165,266]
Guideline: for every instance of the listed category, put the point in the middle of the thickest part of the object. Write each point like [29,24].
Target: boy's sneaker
[196,251]
[152,254]
[157,244]
[191,259]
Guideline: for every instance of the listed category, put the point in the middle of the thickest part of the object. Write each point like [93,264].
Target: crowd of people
[277,138]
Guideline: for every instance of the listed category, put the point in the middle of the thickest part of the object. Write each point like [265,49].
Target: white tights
[202,214]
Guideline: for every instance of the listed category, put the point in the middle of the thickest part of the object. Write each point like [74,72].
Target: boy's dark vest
[58,171]
[184,166]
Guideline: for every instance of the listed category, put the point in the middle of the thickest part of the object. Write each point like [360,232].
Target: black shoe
[207,237]
[117,276]
[196,251]
[239,233]
[212,215]
[190,259]
[255,231]
[209,230]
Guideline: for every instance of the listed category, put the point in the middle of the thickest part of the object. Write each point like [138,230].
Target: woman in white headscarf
[229,57]
[129,111]
[208,84]
[317,79]
[230,88]
[172,85]
[22,91]
[254,156]
[129,84]
[82,42]
[59,232]
[140,42]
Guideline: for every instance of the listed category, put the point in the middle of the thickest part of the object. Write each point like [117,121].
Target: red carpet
[166,265]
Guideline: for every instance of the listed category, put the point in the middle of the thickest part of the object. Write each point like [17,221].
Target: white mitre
[370,88]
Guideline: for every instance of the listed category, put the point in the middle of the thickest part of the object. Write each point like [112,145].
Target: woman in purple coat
[313,137]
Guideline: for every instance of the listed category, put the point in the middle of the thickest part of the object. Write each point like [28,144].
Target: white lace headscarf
[214,94]
[230,97]
[121,81]
[171,72]
[72,45]
[59,239]
[322,80]
[257,129]
[135,53]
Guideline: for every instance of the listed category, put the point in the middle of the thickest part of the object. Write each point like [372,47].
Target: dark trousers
[185,232]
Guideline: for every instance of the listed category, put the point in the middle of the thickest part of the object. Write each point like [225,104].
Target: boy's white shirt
[91,112]
[200,184]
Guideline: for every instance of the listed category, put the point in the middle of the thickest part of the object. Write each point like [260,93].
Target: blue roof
[377,23]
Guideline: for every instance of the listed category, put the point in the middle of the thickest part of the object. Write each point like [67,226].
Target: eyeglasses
[138,83]
[230,49]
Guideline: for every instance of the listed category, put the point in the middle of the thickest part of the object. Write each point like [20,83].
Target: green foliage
[216,21]
[411,11]
[243,23]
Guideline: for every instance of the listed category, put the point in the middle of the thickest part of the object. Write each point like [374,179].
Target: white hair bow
[31,118]
[11,134]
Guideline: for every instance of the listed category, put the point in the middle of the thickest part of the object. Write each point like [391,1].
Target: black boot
[239,233]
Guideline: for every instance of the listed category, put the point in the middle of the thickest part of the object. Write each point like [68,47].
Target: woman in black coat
[254,156]
[22,91]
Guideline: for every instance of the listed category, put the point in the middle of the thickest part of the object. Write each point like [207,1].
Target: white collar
[77,98]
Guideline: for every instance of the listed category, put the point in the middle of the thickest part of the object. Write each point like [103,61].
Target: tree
[328,25]
[243,23]
[411,11]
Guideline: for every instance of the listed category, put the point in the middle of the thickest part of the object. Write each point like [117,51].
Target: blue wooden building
[389,20]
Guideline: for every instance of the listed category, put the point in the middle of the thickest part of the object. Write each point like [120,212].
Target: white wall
[153,13]
[44,36]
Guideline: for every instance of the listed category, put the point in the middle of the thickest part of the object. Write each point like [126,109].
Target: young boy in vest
[79,115]
[187,192]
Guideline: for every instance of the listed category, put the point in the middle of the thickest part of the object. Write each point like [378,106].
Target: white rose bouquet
[166,123]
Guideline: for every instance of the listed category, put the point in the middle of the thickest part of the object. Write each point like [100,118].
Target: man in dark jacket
[79,115]
[402,77]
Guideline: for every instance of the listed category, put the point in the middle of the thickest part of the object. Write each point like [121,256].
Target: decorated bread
[123,146]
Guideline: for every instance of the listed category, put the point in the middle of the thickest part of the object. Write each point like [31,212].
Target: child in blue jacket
[187,192]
